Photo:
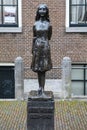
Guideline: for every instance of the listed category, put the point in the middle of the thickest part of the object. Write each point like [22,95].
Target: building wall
[62,44]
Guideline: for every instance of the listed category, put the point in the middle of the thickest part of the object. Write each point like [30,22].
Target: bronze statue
[42,31]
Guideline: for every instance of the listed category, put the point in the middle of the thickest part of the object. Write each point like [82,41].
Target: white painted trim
[10,29]
[76,29]
[20,13]
[15,29]
[67,14]
[7,64]
[79,97]
[72,29]
[8,100]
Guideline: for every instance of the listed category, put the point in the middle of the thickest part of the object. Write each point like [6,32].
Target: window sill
[7,64]
[10,29]
[76,29]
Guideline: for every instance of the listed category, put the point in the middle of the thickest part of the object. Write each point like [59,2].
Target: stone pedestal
[40,111]
[19,78]
[66,77]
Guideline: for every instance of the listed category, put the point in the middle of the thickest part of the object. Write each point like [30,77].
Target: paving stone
[69,115]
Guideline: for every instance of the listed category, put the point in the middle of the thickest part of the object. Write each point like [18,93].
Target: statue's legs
[41,81]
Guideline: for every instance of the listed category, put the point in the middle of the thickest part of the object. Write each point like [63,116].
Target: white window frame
[15,29]
[68,28]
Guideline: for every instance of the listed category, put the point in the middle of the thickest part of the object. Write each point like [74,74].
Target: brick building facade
[62,43]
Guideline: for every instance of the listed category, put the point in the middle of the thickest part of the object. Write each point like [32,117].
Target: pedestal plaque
[40,111]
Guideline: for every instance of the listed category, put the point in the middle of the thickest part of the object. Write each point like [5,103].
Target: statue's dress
[41,60]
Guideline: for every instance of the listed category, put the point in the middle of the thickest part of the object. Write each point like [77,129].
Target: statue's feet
[40,91]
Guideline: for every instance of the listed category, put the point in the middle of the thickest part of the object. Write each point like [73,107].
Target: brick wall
[62,44]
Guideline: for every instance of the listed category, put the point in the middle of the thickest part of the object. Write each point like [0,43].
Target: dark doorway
[7,86]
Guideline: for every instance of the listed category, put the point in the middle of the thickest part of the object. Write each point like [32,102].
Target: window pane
[85,15]
[77,1]
[74,15]
[86,73]
[86,88]
[0,15]
[77,74]
[10,2]
[77,14]
[10,15]
[81,14]
[77,88]
[0,1]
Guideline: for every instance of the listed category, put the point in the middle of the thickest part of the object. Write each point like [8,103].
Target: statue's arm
[34,38]
[50,32]
[34,35]
[34,32]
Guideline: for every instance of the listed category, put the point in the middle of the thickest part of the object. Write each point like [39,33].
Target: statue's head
[42,11]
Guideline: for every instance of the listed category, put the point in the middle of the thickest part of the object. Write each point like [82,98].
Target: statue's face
[42,10]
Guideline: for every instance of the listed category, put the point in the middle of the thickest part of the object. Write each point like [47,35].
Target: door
[7,87]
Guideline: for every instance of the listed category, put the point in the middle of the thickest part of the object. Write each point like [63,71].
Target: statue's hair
[38,15]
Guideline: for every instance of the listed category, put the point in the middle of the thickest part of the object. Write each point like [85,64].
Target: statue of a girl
[42,31]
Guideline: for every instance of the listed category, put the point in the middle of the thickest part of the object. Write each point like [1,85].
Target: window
[76,15]
[10,20]
[79,79]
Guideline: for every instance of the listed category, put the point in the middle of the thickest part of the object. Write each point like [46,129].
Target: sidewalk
[69,115]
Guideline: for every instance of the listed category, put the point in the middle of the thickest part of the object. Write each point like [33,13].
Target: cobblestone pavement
[69,115]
